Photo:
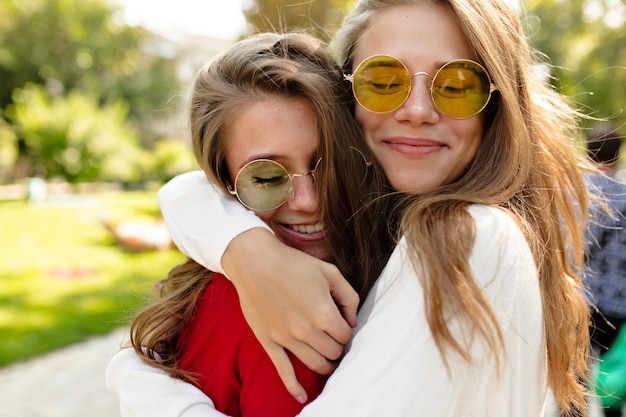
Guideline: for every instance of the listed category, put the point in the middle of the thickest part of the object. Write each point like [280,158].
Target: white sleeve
[144,391]
[201,219]
[394,368]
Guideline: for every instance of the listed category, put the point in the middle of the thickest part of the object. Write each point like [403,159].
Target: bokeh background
[92,123]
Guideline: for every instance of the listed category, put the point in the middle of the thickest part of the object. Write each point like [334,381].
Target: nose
[418,107]
[303,196]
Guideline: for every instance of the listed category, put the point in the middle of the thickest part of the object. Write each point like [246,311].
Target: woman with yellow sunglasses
[480,309]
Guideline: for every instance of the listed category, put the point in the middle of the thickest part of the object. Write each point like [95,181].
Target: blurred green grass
[62,277]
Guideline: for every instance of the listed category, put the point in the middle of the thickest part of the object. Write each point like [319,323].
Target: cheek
[364,117]
[469,133]
[469,144]
[369,123]
[475,138]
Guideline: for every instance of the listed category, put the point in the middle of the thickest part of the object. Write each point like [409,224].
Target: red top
[232,367]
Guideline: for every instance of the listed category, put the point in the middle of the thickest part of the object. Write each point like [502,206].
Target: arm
[201,219]
[394,368]
[144,391]
[289,298]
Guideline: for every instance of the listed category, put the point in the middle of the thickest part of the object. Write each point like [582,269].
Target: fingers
[348,302]
[316,349]
[286,372]
[293,302]
[330,335]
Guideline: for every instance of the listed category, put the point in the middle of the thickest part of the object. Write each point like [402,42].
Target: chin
[414,184]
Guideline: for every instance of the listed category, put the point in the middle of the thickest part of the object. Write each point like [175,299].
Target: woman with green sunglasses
[264,116]
[480,308]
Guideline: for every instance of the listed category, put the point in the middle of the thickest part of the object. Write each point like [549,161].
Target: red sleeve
[263,394]
[232,367]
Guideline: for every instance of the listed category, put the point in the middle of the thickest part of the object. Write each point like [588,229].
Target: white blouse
[392,367]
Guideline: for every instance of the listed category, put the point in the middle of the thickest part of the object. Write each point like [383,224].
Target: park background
[92,123]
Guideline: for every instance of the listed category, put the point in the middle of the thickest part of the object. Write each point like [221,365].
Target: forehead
[282,129]
[425,35]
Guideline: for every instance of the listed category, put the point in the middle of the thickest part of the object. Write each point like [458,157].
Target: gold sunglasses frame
[492,87]
[233,189]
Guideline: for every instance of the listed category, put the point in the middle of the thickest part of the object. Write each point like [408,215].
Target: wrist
[241,250]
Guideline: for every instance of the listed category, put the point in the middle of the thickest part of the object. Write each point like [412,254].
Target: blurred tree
[585,41]
[320,17]
[83,46]
[8,149]
[75,138]
[170,158]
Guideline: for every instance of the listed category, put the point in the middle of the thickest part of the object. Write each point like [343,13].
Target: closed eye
[265,182]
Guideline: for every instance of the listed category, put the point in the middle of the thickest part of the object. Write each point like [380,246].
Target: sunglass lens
[461,89]
[381,84]
[263,185]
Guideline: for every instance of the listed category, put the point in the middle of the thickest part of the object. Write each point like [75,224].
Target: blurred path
[65,383]
[70,383]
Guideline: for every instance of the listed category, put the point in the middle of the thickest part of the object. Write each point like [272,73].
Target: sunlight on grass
[63,279]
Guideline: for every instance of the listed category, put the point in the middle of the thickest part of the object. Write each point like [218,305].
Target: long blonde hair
[527,164]
[263,66]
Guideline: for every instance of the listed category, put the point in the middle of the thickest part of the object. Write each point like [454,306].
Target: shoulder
[501,254]
[191,178]
[496,231]
[503,264]
[501,260]
[493,219]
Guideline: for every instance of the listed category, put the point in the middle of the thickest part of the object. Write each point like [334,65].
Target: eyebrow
[273,157]
[281,159]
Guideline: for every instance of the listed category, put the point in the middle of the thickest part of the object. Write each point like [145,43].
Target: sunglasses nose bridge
[428,86]
[420,73]
[305,188]
[424,73]
[304,174]
[292,177]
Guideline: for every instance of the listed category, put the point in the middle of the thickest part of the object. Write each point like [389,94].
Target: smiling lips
[414,146]
[306,229]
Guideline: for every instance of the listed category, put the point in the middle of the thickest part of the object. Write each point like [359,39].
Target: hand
[291,301]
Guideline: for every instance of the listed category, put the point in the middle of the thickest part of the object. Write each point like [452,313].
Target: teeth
[309,228]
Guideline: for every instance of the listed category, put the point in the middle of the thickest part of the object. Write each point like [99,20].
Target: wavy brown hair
[527,164]
[266,66]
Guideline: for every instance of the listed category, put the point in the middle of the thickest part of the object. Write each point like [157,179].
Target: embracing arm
[289,298]
[144,391]
[201,219]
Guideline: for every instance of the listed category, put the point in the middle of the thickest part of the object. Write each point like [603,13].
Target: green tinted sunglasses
[264,185]
[459,89]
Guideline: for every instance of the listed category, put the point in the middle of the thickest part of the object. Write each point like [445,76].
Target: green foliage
[170,158]
[585,41]
[82,53]
[63,279]
[8,148]
[81,45]
[75,138]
